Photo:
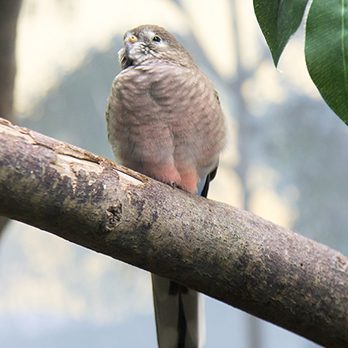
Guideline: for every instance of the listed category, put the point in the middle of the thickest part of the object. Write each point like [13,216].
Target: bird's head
[147,43]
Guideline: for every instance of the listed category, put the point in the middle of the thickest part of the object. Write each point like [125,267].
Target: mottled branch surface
[224,252]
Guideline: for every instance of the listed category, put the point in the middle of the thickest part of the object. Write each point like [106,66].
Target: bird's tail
[177,308]
[177,313]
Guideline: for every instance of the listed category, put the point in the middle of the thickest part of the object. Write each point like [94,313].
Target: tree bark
[229,254]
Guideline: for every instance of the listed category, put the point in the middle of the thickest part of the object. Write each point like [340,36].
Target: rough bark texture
[224,252]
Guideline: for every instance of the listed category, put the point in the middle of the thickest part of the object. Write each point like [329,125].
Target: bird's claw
[173,184]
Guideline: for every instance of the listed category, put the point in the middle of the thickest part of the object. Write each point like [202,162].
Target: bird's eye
[156,38]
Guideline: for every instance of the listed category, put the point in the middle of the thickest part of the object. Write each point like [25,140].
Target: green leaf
[327,52]
[279,19]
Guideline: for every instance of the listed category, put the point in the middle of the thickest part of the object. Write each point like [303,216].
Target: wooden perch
[229,254]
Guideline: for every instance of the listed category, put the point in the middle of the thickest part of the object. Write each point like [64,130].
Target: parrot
[164,120]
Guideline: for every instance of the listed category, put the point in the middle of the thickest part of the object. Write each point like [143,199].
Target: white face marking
[150,34]
[138,49]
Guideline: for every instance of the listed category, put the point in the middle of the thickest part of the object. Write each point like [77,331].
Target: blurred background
[286,160]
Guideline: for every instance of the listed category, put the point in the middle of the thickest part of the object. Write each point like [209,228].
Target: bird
[164,120]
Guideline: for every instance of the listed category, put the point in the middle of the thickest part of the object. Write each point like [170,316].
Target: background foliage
[326,46]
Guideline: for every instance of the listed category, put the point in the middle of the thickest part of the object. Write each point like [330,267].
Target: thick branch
[224,252]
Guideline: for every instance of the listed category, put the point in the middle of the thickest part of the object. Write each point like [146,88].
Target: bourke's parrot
[165,121]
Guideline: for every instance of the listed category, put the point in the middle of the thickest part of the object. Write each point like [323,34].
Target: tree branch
[224,252]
